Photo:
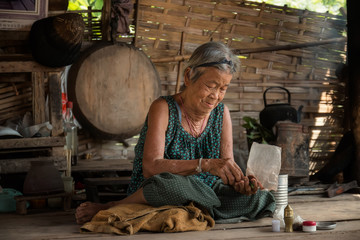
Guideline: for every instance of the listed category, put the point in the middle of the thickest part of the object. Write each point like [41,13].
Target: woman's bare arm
[225,167]
[154,162]
[153,158]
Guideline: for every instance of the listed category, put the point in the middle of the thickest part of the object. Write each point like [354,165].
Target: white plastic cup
[276,225]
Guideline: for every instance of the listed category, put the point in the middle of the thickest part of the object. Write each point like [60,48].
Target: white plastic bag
[265,163]
[279,215]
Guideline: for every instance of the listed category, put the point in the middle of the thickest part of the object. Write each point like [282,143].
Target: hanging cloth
[120,10]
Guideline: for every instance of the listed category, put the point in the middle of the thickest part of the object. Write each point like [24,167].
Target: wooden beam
[25,66]
[14,77]
[32,142]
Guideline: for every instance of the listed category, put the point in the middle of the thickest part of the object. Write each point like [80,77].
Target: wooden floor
[56,224]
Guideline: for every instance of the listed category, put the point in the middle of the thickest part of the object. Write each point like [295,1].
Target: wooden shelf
[44,80]
[23,64]
[103,165]
[32,142]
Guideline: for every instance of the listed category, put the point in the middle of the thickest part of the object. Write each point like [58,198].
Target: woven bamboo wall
[15,100]
[308,73]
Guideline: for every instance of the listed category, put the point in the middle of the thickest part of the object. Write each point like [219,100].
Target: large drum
[112,87]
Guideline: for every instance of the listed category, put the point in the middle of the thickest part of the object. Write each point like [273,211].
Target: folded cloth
[127,219]
[221,200]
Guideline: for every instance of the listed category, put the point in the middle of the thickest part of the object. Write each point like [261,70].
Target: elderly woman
[185,150]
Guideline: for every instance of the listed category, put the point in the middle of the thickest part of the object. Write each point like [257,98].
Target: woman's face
[210,88]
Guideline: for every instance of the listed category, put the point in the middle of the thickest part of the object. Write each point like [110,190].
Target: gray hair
[212,54]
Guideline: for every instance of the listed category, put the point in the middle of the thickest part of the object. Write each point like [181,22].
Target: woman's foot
[87,210]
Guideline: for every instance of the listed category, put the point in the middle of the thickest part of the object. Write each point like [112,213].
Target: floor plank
[57,224]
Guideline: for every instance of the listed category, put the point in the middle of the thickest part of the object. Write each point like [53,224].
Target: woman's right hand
[226,169]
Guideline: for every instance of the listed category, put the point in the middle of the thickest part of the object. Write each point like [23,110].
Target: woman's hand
[248,186]
[226,169]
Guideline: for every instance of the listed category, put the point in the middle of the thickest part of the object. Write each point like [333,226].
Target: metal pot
[273,113]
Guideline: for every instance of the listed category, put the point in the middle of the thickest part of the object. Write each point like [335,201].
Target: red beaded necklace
[191,124]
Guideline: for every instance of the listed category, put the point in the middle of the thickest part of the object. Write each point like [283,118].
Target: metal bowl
[325,225]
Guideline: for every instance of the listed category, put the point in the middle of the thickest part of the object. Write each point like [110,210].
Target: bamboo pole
[289,46]
[171,59]
[180,63]
[256,50]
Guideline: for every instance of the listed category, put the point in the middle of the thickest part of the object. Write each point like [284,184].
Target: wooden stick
[256,50]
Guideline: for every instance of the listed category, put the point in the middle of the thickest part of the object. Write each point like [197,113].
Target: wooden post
[106,32]
[38,88]
[55,103]
[137,5]
[91,33]
[354,79]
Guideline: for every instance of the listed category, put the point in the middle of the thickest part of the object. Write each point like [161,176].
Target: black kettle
[273,113]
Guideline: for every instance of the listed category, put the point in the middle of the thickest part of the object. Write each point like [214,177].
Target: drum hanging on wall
[112,87]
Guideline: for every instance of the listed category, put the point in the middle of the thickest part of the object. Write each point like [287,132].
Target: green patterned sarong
[224,204]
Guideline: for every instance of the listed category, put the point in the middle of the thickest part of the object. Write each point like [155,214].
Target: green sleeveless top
[179,144]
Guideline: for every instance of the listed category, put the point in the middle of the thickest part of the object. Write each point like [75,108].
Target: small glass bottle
[70,130]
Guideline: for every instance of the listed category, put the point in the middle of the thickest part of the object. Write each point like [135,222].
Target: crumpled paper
[265,163]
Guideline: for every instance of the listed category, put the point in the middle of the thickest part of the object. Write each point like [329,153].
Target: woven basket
[56,41]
